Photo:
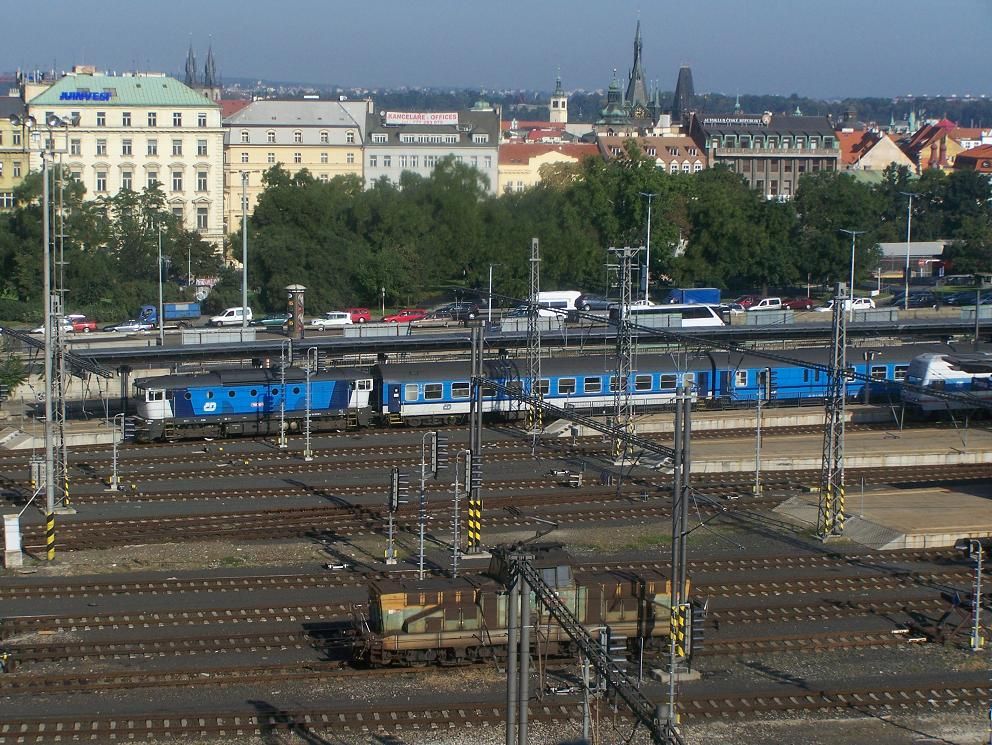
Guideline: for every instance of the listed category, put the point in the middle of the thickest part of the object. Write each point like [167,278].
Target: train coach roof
[880,354]
[246,376]
[428,584]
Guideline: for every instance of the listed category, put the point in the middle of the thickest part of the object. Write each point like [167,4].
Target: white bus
[557,304]
[686,316]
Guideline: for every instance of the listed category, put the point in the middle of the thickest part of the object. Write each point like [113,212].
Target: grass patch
[232,561]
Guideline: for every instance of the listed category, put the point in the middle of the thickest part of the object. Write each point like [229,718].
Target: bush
[18,310]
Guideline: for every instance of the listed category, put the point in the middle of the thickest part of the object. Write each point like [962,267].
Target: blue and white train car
[967,375]
[248,401]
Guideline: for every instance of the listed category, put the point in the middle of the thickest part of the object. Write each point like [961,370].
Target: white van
[230,317]
[556,304]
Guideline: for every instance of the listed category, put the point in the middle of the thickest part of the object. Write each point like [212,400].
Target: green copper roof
[120,90]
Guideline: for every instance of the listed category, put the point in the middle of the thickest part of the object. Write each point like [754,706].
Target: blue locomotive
[250,401]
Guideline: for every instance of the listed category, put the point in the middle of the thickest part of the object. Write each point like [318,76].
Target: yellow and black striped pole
[839,514]
[474,524]
[678,630]
[50,535]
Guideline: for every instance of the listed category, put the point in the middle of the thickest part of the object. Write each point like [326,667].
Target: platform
[906,518]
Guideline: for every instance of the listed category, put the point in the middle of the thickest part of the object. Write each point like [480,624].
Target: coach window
[433,391]
[689,380]
[410,392]
[899,372]
[614,384]
[488,391]
[460,390]
[642,383]
[566,386]
[543,387]
[592,385]
[878,372]
[667,382]
[740,379]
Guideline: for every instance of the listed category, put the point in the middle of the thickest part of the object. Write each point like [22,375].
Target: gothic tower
[637,91]
[682,101]
[211,82]
[559,104]
[191,80]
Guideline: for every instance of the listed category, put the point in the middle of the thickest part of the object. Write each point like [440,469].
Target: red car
[746,301]
[359,315]
[80,323]
[406,315]
[799,303]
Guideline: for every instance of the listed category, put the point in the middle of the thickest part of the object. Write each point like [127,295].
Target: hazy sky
[821,49]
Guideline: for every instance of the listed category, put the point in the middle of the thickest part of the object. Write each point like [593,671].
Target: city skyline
[851,49]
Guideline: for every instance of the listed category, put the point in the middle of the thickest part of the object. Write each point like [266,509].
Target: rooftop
[131,89]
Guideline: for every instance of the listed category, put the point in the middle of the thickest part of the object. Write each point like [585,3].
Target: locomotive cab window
[740,379]
[410,392]
[461,390]
[364,385]
[592,385]
[433,391]
[566,386]
[154,395]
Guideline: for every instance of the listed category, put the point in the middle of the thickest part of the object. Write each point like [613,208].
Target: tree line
[428,238]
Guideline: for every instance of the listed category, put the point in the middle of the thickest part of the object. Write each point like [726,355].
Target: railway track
[933,692]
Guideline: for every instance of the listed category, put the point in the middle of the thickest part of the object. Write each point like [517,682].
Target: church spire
[191,67]
[637,92]
[682,101]
[210,70]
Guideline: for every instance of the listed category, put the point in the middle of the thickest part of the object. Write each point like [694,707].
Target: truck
[694,295]
[174,315]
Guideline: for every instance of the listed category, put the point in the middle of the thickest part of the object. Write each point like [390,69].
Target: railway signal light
[129,429]
[439,453]
[399,490]
[475,472]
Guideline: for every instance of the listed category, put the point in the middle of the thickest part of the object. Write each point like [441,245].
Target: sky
[828,49]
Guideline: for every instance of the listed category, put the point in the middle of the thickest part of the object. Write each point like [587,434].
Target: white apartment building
[135,130]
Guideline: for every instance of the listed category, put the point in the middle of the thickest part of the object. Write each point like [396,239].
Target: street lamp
[161,307]
[490,311]
[647,259]
[854,235]
[244,249]
[909,228]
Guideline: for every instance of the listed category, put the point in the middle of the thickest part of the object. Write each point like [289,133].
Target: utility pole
[830,513]
[854,236]
[534,417]
[285,359]
[909,232]
[623,403]
[474,476]
[679,599]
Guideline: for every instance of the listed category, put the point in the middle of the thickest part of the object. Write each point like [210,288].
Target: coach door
[393,399]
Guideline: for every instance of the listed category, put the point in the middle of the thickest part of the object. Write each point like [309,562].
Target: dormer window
[244,137]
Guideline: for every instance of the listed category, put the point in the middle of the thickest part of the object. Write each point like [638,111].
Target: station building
[416,141]
[324,137]
[134,130]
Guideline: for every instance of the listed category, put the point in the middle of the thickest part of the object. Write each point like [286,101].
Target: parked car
[80,323]
[799,303]
[131,326]
[766,303]
[66,326]
[332,319]
[359,315]
[746,301]
[858,303]
[587,301]
[277,321]
[230,317]
[460,311]
[407,315]
[442,317]
[919,299]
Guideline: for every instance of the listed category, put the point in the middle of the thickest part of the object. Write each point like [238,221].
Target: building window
[673,167]
[697,167]
[17,138]
[480,139]
[349,158]
[126,147]
[686,167]
[773,187]
[101,181]
[75,147]
[152,147]
[125,118]
[323,158]
[177,212]
[403,161]
[245,139]
[373,161]
[177,180]
[101,147]
[349,137]
[201,119]
[387,161]
[6,200]
[126,180]
[244,157]
[760,185]
[270,158]
[152,119]
[177,119]
[297,136]
[380,138]
[152,179]
[17,168]
[201,180]
[201,147]
[414,161]
[489,161]
[787,166]
[270,136]
[297,157]
[323,138]
[177,147]
[202,218]
[101,118]
[323,178]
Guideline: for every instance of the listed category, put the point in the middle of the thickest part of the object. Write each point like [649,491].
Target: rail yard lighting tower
[647,259]
[854,237]
[909,232]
